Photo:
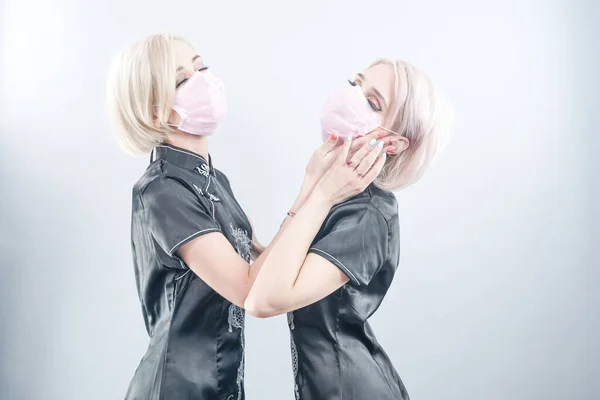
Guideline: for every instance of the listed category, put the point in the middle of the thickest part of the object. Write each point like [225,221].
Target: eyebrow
[377,93]
[179,69]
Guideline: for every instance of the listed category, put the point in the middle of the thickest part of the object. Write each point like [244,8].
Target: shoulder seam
[185,185]
[378,211]
[369,203]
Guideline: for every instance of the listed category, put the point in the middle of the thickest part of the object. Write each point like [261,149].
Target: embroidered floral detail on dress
[203,170]
[211,196]
[236,319]
[290,320]
[236,316]
[243,244]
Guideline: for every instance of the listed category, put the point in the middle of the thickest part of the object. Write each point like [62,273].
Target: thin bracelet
[289,214]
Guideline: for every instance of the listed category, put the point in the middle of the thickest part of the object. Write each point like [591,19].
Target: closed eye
[374,106]
[179,84]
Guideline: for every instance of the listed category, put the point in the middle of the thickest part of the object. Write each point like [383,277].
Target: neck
[195,143]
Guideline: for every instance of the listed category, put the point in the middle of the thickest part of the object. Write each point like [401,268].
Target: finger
[374,134]
[382,133]
[367,162]
[375,170]
[345,149]
[358,142]
[391,150]
[358,156]
[390,139]
[330,143]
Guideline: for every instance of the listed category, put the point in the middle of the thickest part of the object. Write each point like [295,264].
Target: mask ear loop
[389,130]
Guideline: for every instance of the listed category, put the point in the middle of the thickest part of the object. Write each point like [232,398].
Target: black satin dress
[196,349]
[335,355]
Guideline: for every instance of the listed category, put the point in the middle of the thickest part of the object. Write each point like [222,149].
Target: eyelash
[371,104]
[374,106]
[177,86]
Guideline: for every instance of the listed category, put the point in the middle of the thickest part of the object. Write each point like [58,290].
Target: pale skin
[291,278]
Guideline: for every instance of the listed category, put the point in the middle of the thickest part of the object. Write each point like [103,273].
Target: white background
[496,296]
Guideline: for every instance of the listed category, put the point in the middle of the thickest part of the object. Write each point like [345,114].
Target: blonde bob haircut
[423,117]
[141,91]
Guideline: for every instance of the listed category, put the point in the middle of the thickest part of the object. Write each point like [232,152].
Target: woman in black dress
[192,242]
[337,276]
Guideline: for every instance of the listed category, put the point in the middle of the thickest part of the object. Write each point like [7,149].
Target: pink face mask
[348,112]
[201,104]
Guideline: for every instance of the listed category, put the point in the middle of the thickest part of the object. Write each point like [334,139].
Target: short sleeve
[175,214]
[354,238]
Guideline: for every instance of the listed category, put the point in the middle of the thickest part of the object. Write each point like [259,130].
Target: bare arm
[290,279]
[283,284]
[215,261]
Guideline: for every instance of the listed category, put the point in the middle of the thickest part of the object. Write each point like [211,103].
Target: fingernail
[333,136]
[349,138]
[380,144]
[372,142]
[348,163]
[384,156]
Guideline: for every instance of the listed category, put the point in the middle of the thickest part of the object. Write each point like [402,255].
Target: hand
[350,175]
[321,160]
[324,156]
[390,141]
